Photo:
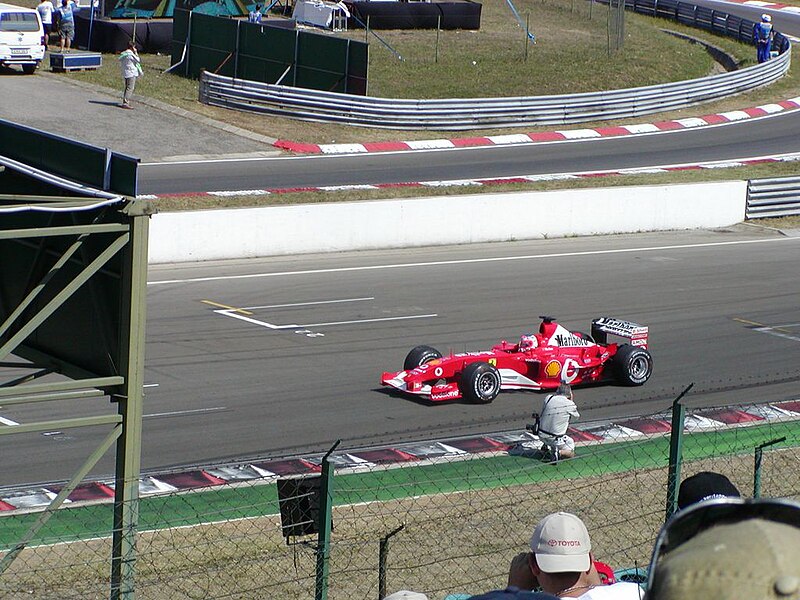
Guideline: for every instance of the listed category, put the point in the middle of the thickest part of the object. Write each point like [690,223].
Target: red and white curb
[406,453]
[767,5]
[723,164]
[546,136]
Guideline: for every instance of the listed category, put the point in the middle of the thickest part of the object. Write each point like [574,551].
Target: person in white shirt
[561,563]
[131,67]
[45,10]
[557,410]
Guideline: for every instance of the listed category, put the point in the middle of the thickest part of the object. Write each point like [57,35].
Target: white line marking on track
[773,330]
[465,261]
[313,303]
[8,422]
[185,412]
[150,385]
[307,325]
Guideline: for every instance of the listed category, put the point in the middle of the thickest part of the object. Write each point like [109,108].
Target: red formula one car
[537,362]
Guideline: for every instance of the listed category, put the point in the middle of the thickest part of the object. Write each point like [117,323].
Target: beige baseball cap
[406,595]
[730,548]
[561,544]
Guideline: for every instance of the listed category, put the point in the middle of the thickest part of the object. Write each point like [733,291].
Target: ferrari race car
[537,362]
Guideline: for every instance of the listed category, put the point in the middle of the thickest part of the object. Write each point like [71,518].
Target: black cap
[705,485]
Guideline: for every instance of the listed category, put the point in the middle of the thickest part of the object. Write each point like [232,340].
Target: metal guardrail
[478,113]
[777,197]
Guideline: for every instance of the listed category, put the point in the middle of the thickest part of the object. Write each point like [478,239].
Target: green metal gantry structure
[73,277]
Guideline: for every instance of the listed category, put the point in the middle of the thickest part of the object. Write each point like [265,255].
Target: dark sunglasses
[687,523]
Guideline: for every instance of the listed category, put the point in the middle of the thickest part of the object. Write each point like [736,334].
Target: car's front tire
[419,356]
[633,365]
[29,69]
[480,382]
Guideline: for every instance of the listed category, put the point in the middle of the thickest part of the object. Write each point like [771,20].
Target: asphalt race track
[293,363]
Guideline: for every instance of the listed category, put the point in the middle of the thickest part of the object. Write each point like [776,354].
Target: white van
[21,37]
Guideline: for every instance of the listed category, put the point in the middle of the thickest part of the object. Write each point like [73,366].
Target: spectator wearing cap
[705,485]
[762,37]
[728,548]
[406,595]
[561,563]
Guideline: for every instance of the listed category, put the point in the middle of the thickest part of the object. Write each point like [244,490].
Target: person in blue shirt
[66,24]
[762,37]
[255,15]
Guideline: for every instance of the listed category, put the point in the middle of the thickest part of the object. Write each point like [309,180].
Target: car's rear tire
[633,366]
[480,382]
[419,356]
[29,69]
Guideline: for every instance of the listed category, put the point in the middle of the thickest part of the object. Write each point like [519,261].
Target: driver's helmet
[528,342]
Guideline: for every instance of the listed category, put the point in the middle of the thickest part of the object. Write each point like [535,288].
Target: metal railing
[776,197]
[478,113]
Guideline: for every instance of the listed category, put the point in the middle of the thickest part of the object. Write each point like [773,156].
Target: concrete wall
[463,219]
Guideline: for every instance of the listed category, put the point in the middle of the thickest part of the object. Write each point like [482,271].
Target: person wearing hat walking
[131,67]
[762,37]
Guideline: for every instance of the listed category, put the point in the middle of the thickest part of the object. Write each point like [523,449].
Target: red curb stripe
[715,119]
[385,146]
[546,136]
[731,416]
[787,104]
[472,141]
[669,125]
[7,506]
[758,161]
[603,174]
[610,131]
[299,147]
[646,425]
[755,112]
[790,405]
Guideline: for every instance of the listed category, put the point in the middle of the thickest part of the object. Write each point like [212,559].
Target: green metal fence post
[130,400]
[324,526]
[383,555]
[675,452]
[757,464]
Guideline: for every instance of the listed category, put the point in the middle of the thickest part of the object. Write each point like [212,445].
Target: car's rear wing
[603,326]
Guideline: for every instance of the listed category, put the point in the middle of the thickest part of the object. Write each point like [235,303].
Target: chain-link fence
[441,517]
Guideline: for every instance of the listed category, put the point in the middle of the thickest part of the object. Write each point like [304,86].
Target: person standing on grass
[66,25]
[131,67]
[762,36]
[45,10]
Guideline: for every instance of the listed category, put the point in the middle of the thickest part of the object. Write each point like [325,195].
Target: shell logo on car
[553,368]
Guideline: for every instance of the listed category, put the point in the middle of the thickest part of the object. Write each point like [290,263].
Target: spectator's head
[564,389]
[728,548]
[406,595]
[560,543]
[766,18]
[705,485]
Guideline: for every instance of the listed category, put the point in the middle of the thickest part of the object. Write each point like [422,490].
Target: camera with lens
[533,427]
